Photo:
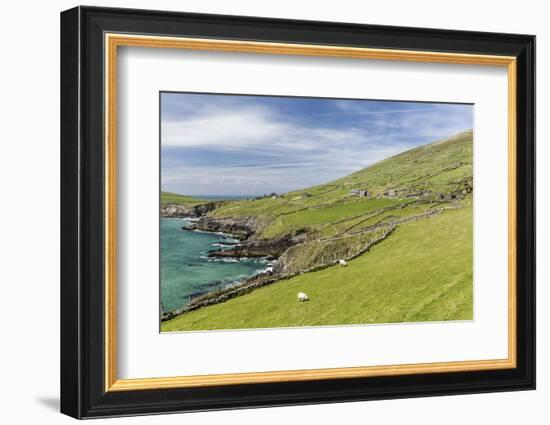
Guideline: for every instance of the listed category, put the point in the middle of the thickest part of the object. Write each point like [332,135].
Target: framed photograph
[261,212]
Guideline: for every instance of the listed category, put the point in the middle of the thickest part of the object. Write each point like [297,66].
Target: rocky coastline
[270,249]
[239,227]
[188,211]
[243,229]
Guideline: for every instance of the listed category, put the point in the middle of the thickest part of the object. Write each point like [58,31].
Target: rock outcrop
[271,249]
[240,227]
[181,210]
[204,209]
[173,210]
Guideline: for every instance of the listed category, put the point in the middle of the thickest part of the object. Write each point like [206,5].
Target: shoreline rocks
[270,249]
[240,227]
[176,211]
[184,211]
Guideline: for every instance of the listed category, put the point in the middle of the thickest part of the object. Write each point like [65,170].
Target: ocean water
[186,271]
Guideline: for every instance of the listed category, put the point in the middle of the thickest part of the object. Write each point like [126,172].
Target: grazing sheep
[343,263]
[302,297]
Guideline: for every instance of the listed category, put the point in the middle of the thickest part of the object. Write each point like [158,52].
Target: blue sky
[250,145]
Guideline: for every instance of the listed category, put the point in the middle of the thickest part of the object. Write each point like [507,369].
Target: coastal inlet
[187,272]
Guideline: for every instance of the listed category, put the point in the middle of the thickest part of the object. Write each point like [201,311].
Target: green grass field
[420,272]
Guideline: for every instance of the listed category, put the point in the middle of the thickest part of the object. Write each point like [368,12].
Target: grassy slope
[174,198]
[422,272]
[438,167]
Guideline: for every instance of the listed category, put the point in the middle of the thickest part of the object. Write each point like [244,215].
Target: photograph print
[281,212]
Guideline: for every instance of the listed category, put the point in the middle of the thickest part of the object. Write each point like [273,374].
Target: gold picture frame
[114,41]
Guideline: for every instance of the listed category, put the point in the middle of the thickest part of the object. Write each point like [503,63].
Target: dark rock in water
[271,249]
[240,227]
[228,243]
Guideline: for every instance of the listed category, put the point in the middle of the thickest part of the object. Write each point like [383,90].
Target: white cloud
[276,152]
[252,127]
[222,129]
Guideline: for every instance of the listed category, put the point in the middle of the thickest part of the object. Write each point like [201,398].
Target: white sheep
[343,263]
[302,296]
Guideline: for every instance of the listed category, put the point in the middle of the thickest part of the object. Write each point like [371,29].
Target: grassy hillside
[418,209]
[439,169]
[422,272]
[174,198]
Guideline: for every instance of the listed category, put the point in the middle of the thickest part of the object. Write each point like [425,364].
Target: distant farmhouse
[361,193]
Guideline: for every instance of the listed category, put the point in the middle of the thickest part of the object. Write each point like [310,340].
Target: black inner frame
[82,212]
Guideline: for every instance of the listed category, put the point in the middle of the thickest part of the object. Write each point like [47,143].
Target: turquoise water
[184,268]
